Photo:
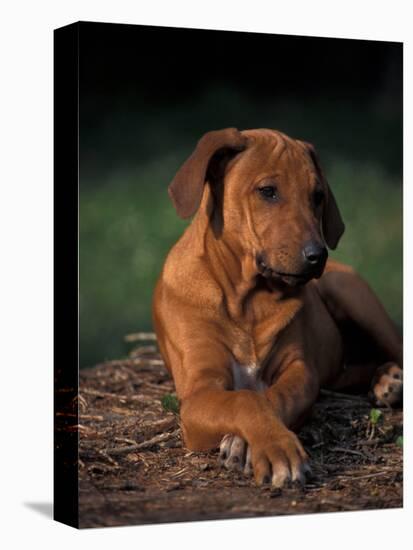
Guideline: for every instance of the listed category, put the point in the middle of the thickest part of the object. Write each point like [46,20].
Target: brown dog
[251,319]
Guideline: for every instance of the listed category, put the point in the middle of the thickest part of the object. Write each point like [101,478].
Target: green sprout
[399,441]
[170,403]
[375,415]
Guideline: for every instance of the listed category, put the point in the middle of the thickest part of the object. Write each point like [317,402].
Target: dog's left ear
[332,223]
[187,186]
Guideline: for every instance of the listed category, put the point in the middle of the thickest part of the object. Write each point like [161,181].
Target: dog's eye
[268,192]
[318,197]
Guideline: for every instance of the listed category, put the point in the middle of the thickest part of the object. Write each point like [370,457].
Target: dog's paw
[280,460]
[277,461]
[235,454]
[387,385]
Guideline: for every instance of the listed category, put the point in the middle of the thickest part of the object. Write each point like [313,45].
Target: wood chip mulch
[133,468]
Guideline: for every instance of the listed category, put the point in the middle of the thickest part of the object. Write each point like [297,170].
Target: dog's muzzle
[314,260]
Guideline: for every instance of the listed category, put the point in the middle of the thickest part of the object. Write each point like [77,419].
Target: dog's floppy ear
[332,223]
[187,187]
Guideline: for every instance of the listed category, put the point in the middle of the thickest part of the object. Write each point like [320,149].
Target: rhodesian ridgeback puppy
[251,318]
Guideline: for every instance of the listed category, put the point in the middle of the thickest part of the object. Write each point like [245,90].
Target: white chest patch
[247,377]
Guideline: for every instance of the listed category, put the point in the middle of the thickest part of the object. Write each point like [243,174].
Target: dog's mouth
[291,279]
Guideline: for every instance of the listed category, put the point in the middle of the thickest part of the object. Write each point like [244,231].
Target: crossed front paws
[280,457]
[277,460]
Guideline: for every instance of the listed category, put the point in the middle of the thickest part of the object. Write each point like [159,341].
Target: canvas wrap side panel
[66,324]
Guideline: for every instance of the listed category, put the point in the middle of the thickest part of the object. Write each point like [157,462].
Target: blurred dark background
[146,96]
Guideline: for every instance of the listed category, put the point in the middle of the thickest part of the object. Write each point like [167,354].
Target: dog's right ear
[332,224]
[187,187]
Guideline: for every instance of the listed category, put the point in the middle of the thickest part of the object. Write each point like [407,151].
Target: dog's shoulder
[185,277]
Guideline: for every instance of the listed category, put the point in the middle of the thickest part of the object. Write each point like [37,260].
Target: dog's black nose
[315,254]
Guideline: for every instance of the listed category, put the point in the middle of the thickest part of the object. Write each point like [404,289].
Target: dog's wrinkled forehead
[270,146]
[273,153]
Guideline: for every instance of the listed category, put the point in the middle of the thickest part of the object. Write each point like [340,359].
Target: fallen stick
[82,416]
[180,473]
[376,474]
[157,425]
[144,363]
[104,454]
[124,440]
[350,451]
[120,397]
[142,350]
[144,444]
[140,336]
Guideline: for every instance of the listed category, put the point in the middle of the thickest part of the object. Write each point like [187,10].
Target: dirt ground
[133,468]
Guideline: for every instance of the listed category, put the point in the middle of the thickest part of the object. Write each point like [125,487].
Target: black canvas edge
[249,33]
[66,286]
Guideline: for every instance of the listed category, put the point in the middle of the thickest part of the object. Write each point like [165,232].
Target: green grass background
[127,223]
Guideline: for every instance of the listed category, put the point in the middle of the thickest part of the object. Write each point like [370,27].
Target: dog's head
[269,193]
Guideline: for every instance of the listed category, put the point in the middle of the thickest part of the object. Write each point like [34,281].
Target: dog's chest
[247,377]
[249,357]
[254,343]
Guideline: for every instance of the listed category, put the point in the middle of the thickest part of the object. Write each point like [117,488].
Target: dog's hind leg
[352,302]
[349,298]
[385,382]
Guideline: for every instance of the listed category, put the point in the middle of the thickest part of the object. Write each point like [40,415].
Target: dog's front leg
[208,413]
[293,392]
